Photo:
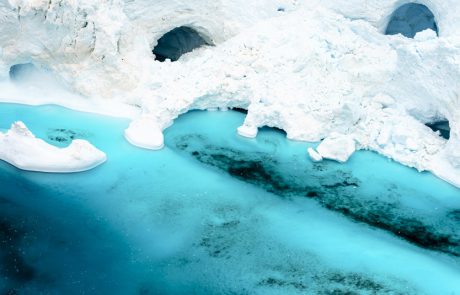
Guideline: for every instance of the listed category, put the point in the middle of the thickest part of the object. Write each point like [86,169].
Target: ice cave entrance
[176,42]
[410,19]
[442,127]
[22,72]
[35,77]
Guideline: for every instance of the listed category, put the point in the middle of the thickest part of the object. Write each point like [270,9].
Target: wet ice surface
[214,213]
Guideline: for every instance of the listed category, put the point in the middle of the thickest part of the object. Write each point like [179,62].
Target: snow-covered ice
[19,147]
[145,133]
[337,147]
[311,68]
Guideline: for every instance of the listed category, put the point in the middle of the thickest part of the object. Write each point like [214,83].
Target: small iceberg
[19,147]
[336,147]
[144,132]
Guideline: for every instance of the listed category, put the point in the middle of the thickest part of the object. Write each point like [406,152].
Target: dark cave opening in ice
[240,110]
[22,72]
[177,42]
[410,19]
[442,126]
[37,77]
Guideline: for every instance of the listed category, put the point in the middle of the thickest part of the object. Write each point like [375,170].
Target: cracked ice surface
[314,70]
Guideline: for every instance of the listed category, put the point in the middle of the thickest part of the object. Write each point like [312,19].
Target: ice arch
[411,18]
[176,42]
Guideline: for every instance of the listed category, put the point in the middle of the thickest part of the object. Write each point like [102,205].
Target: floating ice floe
[19,147]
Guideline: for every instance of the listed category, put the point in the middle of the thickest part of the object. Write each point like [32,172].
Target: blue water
[214,213]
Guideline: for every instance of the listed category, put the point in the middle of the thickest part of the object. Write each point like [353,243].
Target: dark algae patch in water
[333,282]
[335,189]
[65,136]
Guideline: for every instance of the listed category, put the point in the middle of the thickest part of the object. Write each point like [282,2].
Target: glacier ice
[311,68]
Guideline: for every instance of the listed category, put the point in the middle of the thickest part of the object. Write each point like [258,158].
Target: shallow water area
[215,213]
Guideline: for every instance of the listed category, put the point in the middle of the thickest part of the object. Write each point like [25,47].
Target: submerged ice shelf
[216,213]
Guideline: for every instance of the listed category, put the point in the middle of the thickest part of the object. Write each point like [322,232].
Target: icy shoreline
[314,70]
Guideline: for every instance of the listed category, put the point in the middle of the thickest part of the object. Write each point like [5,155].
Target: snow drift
[316,70]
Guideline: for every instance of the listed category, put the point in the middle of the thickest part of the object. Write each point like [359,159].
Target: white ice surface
[145,133]
[247,131]
[19,147]
[314,69]
[337,147]
[314,155]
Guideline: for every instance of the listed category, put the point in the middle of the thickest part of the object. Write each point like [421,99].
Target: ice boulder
[247,131]
[337,147]
[144,132]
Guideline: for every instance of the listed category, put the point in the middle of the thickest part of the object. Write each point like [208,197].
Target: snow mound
[19,147]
